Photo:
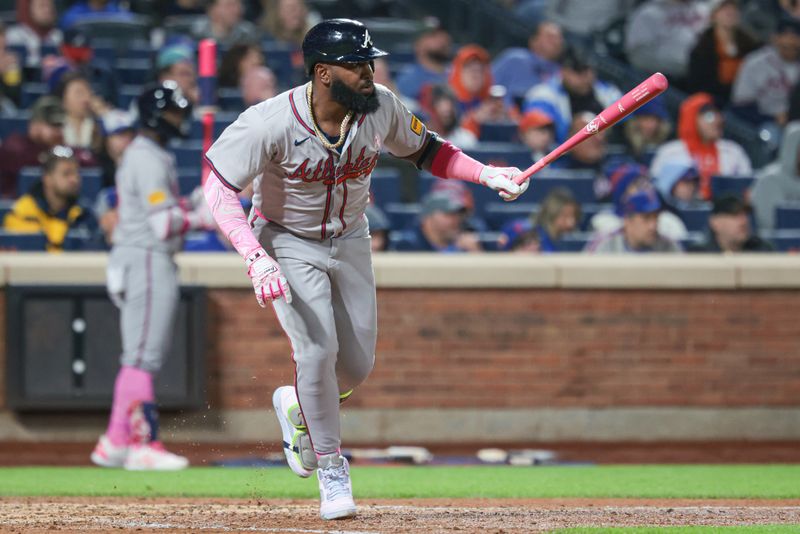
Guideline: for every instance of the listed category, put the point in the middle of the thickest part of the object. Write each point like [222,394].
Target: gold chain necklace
[320,135]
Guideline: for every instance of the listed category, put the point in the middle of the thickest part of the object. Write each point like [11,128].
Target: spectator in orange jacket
[700,126]
[478,97]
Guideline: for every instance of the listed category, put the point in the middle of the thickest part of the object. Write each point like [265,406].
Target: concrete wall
[503,348]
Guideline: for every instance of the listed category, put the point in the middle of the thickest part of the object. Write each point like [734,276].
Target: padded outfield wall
[498,347]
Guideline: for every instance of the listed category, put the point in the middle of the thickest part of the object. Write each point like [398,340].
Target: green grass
[750,529]
[649,481]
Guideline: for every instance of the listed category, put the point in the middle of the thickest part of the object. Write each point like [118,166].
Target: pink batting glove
[501,179]
[268,282]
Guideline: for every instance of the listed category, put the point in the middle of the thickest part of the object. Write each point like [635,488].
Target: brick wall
[537,348]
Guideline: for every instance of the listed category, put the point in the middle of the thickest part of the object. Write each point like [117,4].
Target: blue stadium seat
[736,185]
[230,100]
[278,57]
[574,242]
[188,153]
[222,120]
[127,94]
[139,50]
[27,177]
[20,51]
[692,238]
[402,216]
[783,240]
[385,186]
[31,92]
[79,240]
[502,155]
[580,183]
[401,241]
[188,179]
[498,132]
[19,123]
[695,219]
[787,217]
[22,242]
[489,241]
[91,182]
[497,214]
[134,71]
[5,207]
[589,210]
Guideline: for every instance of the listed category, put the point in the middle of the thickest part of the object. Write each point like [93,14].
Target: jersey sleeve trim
[297,115]
[225,182]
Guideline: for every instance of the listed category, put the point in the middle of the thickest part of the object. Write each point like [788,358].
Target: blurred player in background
[143,279]
[310,153]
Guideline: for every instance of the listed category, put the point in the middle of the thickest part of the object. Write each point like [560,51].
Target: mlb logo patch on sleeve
[416,125]
[157,197]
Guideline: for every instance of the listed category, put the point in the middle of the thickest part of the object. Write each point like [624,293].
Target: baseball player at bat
[142,277]
[309,153]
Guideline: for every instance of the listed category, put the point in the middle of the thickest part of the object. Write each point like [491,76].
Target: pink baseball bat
[630,102]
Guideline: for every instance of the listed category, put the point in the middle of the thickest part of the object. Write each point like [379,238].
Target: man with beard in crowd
[309,153]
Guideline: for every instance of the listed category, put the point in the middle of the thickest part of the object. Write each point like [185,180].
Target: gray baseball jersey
[142,277]
[147,182]
[299,184]
[308,213]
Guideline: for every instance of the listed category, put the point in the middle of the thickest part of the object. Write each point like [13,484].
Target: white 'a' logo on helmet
[367,40]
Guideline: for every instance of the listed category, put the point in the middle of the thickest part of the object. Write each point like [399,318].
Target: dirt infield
[116,515]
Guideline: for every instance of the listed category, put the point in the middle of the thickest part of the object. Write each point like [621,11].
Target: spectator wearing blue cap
[678,184]
[639,231]
[716,58]
[646,130]
[625,180]
[764,82]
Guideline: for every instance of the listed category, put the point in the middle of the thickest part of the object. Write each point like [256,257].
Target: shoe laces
[335,480]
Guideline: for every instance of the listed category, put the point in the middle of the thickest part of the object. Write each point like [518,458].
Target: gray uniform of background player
[308,213]
[142,275]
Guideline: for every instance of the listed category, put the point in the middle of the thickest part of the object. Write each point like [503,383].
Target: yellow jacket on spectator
[31,214]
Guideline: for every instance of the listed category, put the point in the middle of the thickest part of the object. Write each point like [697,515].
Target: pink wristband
[451,162]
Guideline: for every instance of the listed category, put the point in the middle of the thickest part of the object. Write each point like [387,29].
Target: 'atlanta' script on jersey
[326,171]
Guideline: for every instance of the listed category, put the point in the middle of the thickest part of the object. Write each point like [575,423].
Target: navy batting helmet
[338,41]
[157,99]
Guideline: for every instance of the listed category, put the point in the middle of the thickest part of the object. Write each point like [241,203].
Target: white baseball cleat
[106,454]
[153,457]
[296,443]
[335,490]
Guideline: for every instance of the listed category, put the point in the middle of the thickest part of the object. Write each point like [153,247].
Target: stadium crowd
[665,180]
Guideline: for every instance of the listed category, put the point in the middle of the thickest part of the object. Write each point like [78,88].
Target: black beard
[353,100]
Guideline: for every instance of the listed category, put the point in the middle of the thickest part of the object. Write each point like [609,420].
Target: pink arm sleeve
[228,212]
[451,162]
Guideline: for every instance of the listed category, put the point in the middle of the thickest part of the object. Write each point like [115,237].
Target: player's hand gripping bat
[630,102]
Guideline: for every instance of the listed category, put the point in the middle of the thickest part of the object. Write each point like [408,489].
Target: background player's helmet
[155,100]
[338,41]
